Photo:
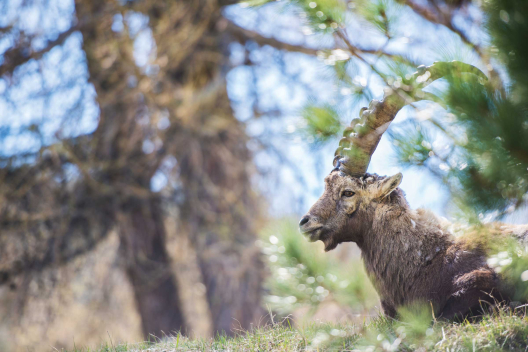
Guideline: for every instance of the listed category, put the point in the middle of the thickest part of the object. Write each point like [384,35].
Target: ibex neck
[399,247]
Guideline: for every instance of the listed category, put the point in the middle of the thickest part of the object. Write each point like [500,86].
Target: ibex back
[410,255]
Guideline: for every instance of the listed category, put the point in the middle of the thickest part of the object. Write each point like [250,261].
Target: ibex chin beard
[329,244]
[318,234]
[312,234]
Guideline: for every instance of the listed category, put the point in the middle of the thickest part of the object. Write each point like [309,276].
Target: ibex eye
[348,194]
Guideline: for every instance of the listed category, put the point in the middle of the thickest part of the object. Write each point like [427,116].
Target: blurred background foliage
[304,280]
[155,155]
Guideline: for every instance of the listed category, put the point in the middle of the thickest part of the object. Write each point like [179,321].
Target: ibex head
[345,211]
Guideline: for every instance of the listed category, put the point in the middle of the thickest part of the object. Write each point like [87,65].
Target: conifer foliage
[478,143]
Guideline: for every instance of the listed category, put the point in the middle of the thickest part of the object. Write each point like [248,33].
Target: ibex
[410,255]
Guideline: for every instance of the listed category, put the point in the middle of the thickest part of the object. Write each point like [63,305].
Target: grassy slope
[502,331]
[293,272]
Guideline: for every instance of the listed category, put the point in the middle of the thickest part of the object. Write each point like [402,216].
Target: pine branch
[446,20]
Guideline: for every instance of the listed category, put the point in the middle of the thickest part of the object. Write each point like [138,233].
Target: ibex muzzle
[409,255]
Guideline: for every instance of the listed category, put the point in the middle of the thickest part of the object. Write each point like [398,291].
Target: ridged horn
[361,138]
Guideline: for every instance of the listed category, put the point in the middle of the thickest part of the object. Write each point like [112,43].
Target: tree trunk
[119,166]
[218,210]
[220,213]
[190,280]
[143,248]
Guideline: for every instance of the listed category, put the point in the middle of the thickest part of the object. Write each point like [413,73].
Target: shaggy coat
[410,255]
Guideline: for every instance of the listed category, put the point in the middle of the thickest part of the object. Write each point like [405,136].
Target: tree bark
[143,248]
[118,162]
[219,211]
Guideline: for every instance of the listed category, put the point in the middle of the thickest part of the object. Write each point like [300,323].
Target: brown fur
[410,255]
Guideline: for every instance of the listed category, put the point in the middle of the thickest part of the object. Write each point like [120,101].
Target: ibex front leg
[388,309]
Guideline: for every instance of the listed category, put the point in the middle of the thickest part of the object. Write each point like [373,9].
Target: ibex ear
[389,184]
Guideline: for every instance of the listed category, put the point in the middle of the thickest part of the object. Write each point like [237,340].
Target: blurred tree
[64,196]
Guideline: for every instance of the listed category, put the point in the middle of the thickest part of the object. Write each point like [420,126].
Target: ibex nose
[304,220]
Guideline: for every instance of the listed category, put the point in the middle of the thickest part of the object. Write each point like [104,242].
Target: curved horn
[361,138]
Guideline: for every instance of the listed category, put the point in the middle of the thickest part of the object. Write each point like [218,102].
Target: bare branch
[444,20]
[18,56]
[423,11]
[228,2]
[243,35]
[6,29]
[358,52]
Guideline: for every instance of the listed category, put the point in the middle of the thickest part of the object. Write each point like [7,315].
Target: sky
[292,170]
[315,161]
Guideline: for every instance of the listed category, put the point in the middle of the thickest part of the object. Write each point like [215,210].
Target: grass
[303,276]
[501,331]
